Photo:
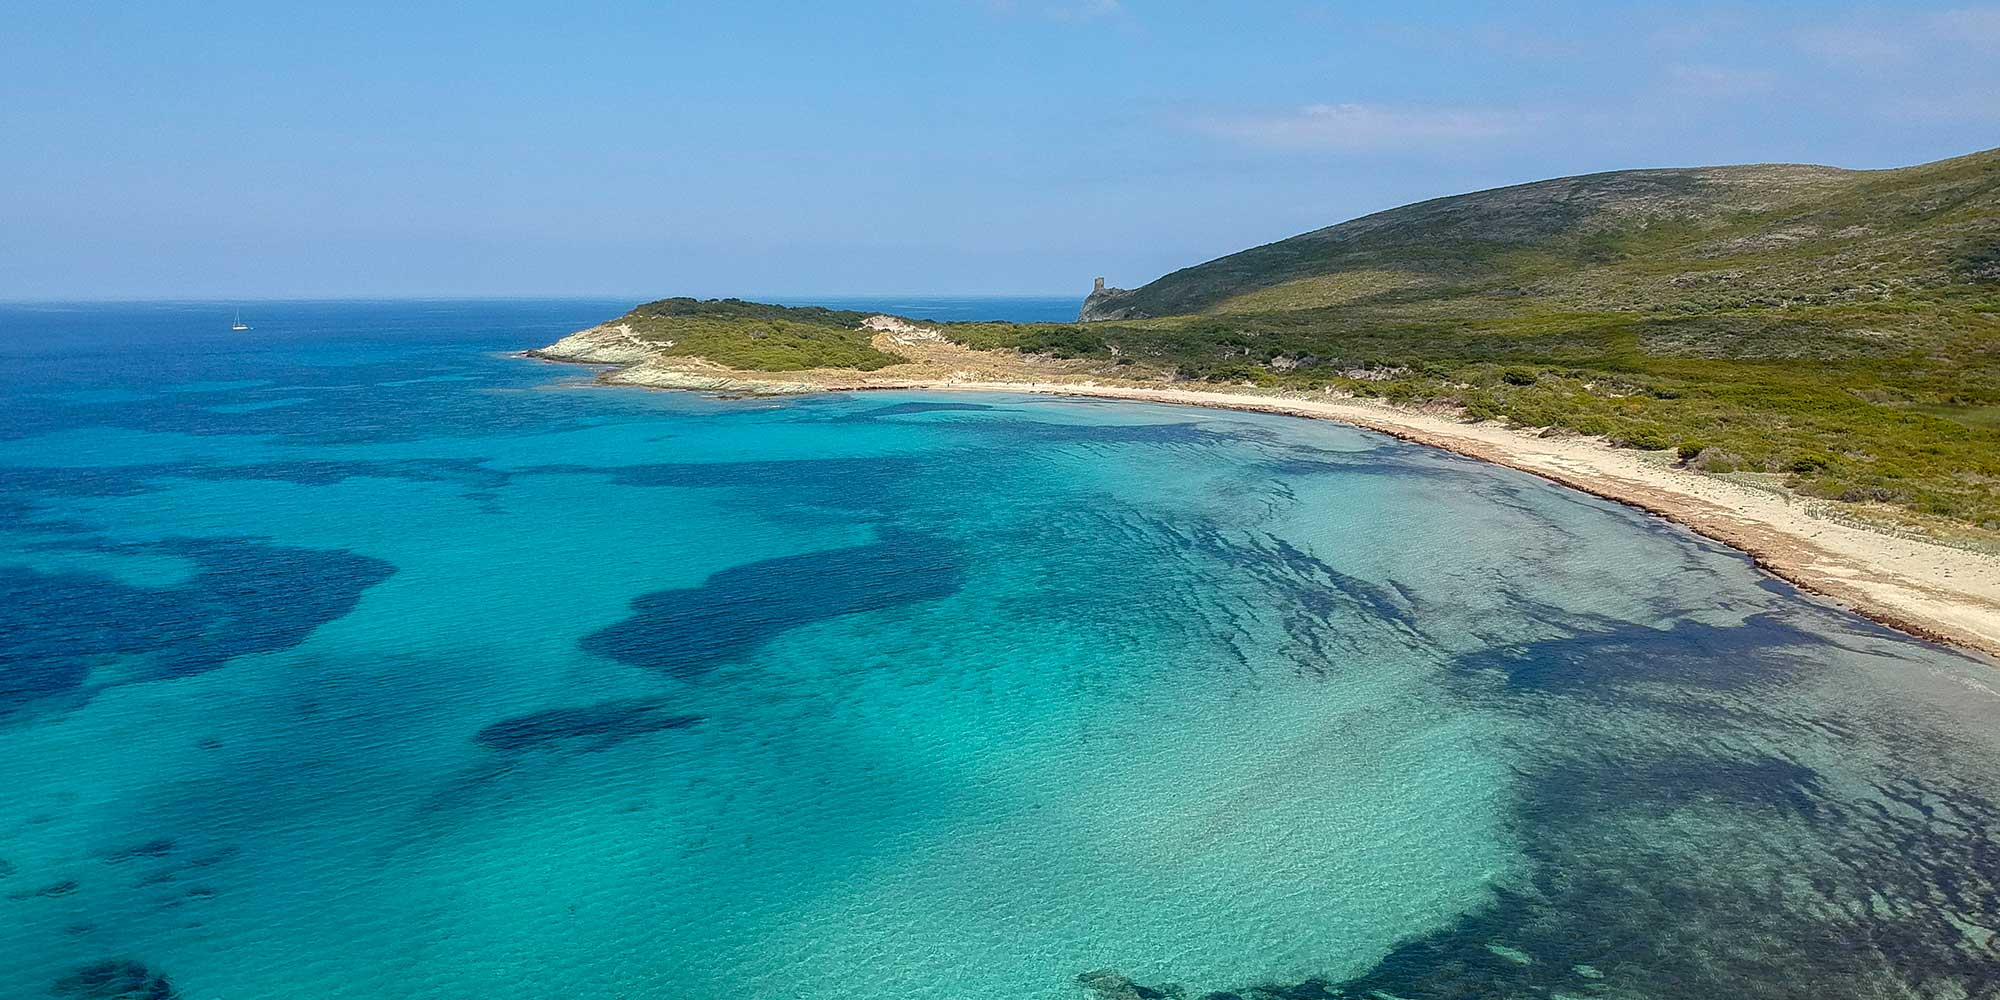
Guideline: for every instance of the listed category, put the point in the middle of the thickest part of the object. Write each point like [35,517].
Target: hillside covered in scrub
[1839,327]
[754,336]
[1836,331]
[1682,241]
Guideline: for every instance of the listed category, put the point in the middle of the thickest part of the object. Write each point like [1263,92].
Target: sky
[224,150]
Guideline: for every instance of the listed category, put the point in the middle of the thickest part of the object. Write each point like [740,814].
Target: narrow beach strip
[1933,591]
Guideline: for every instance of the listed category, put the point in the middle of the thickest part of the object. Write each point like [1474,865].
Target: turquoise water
[353,658]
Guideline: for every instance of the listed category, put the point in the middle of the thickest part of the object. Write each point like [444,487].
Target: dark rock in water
[903,409]
[51,890]
[1311,989]
[115,979]
[210,860]
[602,724]
[874,484]
[1108,985]
[246,597]
[6,868]
[45,640]
[688,632]
[156,848]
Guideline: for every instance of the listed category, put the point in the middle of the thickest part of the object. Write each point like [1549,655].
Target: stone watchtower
[1104,303]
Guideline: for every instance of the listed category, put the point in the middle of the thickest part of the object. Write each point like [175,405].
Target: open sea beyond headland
[349,657]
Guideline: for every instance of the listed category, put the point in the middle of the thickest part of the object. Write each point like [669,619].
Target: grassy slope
[1619,240]
[758,337]
[1838,328]
[1841,328]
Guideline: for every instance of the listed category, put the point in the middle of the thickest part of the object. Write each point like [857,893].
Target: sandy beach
[1934,591]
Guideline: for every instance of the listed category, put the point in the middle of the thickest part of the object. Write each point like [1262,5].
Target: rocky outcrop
[608,344]
[664,375]
[902,332]
[637,360]
[1108,303]
[652,363]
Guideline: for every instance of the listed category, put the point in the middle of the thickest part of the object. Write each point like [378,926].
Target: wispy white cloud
[1941,68]
[1682,30]
[1495,39]
[1067,10]
[1854,45]
[1974,25]
[1977,106]
[1718,81]
[1884,41]
[1359,127]
[1085,10]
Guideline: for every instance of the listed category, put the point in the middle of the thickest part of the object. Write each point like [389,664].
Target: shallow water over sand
[357,660]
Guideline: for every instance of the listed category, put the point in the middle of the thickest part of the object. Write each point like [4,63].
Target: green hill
[754,336]
[1838,328]
[1704,238]
[1837,331]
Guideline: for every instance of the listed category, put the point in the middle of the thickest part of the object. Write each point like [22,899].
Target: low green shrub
[1642,438]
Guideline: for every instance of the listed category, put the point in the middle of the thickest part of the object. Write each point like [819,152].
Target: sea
[353,656]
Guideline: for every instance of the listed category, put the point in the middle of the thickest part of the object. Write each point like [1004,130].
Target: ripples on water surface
[352,659]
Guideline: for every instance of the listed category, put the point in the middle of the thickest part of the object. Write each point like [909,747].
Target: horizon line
[564,297]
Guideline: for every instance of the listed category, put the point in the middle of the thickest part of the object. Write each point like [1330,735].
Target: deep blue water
[351,657]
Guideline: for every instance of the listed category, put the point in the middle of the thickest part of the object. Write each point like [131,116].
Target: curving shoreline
[1932,591]
[1928,590]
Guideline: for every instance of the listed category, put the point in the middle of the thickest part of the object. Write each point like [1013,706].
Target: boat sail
[239,324]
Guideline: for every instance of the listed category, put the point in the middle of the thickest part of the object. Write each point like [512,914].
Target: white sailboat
[239,324]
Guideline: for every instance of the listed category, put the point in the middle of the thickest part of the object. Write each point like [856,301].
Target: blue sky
[224,150]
